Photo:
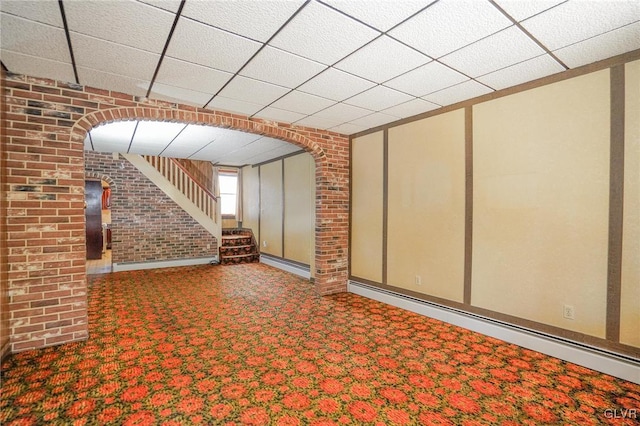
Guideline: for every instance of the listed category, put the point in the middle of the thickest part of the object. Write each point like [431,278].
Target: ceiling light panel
[449,25]
[575,21]
[192,76]
[281,68]
[618,41]
[411,108]
[378,98]
[302,103]
[34,10]
[328,35]
[152,137]
[459,92]
[126,22]
[336,85]
[193,138]
[113,58]
[211,47]
[531,69]
[113,137]
[234,105]
[380,14]
[27,37]
[505,48]
[520,10]
[115,82]
[428,78]
[258,20]
[251,90]
[276,114]
[170,93]
[382,60]
[37,67]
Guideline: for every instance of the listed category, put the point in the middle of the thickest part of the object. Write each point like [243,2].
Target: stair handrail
[190,187]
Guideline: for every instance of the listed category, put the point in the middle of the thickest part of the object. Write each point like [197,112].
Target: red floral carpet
[249,344]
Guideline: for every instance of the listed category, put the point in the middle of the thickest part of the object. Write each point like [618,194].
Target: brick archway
[331,240]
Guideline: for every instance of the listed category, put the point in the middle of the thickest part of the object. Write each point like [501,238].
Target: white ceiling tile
[505,48]
[234,105]
[460,92]
[281,68]
[520,9]
[46,12]
[275,114]
[378,98]
[254,91]
[302,103]
[382,60]
[532,69]
[169,93]
[152,137]
[343,112]
[335,84]
[348,128]
[318,122]
[449,25]
[609,44]
[193,138]
[575,21]
[87,143]
[114,137]
[208,46]
[411,108]
[428,78]
[258,20]
[115,82]
[192,76]
[328,35]
[20,35]
[374,120]
[101,55]
[37,67]
[380,14]
[170,5]
[126,22]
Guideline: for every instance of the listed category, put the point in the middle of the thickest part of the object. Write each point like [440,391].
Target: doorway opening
[98,227]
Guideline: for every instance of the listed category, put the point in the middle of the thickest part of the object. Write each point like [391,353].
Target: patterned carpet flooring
[252,345]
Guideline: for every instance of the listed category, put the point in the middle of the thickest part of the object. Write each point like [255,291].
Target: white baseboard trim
[286,266]
[135,266]
[590,358]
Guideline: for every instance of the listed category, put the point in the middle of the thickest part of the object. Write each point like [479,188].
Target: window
[228,193]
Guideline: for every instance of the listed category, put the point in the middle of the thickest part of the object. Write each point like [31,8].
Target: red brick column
[45,126]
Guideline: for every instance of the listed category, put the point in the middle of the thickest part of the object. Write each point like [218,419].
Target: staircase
[176,182]
[238,246]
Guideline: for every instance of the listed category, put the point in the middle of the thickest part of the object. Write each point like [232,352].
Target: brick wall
[4,283]
[146,224]
[45,126]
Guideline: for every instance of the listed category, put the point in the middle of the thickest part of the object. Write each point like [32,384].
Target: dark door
[93,215]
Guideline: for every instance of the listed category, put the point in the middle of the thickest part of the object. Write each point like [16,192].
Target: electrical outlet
[568,312]
[208,246]
[264,243]
[418,280]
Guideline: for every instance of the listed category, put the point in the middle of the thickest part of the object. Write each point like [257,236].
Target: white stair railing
[179,177]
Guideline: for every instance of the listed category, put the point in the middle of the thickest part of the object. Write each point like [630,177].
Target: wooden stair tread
[235,247]
[240,255]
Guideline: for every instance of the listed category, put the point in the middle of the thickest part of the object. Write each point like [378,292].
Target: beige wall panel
[541,203]
[251,200]
[630,294]
[366,206]
[427,205]
[298,210]
[271,208]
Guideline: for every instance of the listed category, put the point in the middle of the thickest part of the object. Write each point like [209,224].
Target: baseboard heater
[296,268]
[134,266]
[626,368]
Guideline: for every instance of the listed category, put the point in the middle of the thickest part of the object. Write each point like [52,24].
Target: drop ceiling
[340,65]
